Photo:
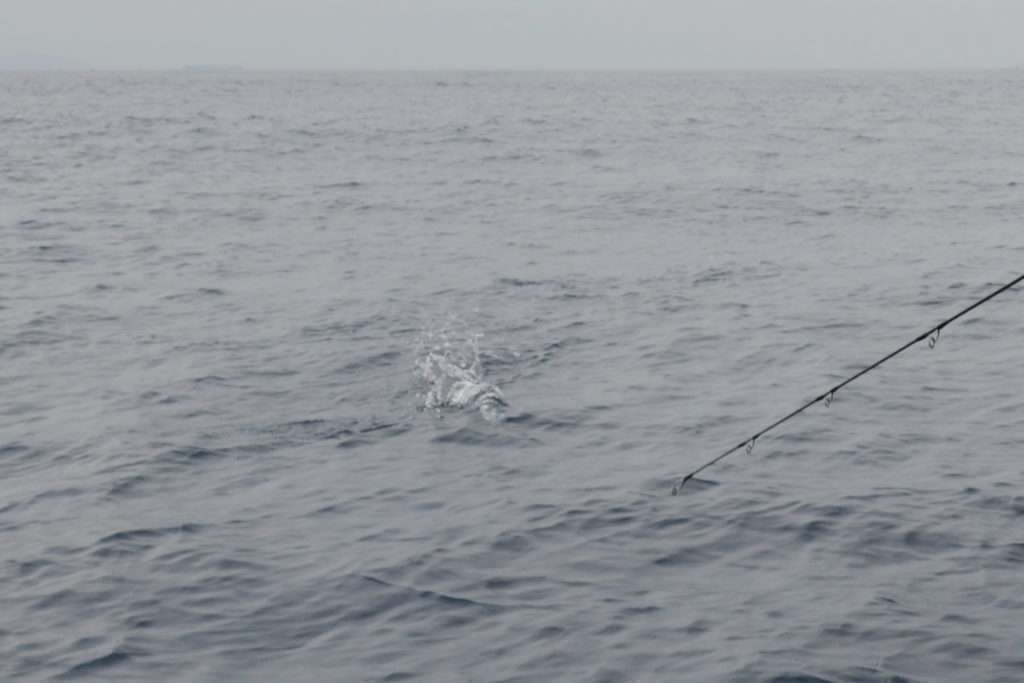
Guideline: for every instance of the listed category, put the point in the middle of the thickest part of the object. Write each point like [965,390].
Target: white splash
[451,369]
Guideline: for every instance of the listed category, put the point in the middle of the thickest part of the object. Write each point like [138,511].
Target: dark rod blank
[932,335]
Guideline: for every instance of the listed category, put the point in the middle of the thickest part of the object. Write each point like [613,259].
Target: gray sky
[353,34]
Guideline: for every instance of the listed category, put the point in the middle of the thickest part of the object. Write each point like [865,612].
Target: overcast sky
[476,34]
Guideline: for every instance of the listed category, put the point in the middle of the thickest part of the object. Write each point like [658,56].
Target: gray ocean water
[387,377]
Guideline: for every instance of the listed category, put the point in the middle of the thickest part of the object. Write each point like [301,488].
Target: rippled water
[386,377]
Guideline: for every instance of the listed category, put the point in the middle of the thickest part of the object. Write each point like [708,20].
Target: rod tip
[676,488]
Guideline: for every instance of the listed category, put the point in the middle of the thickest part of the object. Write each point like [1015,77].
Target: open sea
[379,377]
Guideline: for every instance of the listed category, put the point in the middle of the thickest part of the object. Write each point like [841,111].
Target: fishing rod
[932,335]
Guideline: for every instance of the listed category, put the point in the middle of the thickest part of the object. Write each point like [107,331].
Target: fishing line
[932,335]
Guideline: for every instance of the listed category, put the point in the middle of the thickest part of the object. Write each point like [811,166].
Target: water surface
[248,323]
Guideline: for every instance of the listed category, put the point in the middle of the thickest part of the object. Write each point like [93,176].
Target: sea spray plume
[932,335]
[449,363]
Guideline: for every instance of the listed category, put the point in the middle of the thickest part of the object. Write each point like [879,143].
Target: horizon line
[497,69]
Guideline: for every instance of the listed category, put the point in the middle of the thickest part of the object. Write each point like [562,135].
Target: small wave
[518,282]
[799,678]
[468,436]
[191,454]
[370,362]
[93,667]
[33,224]
[344,185]
[712,275]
